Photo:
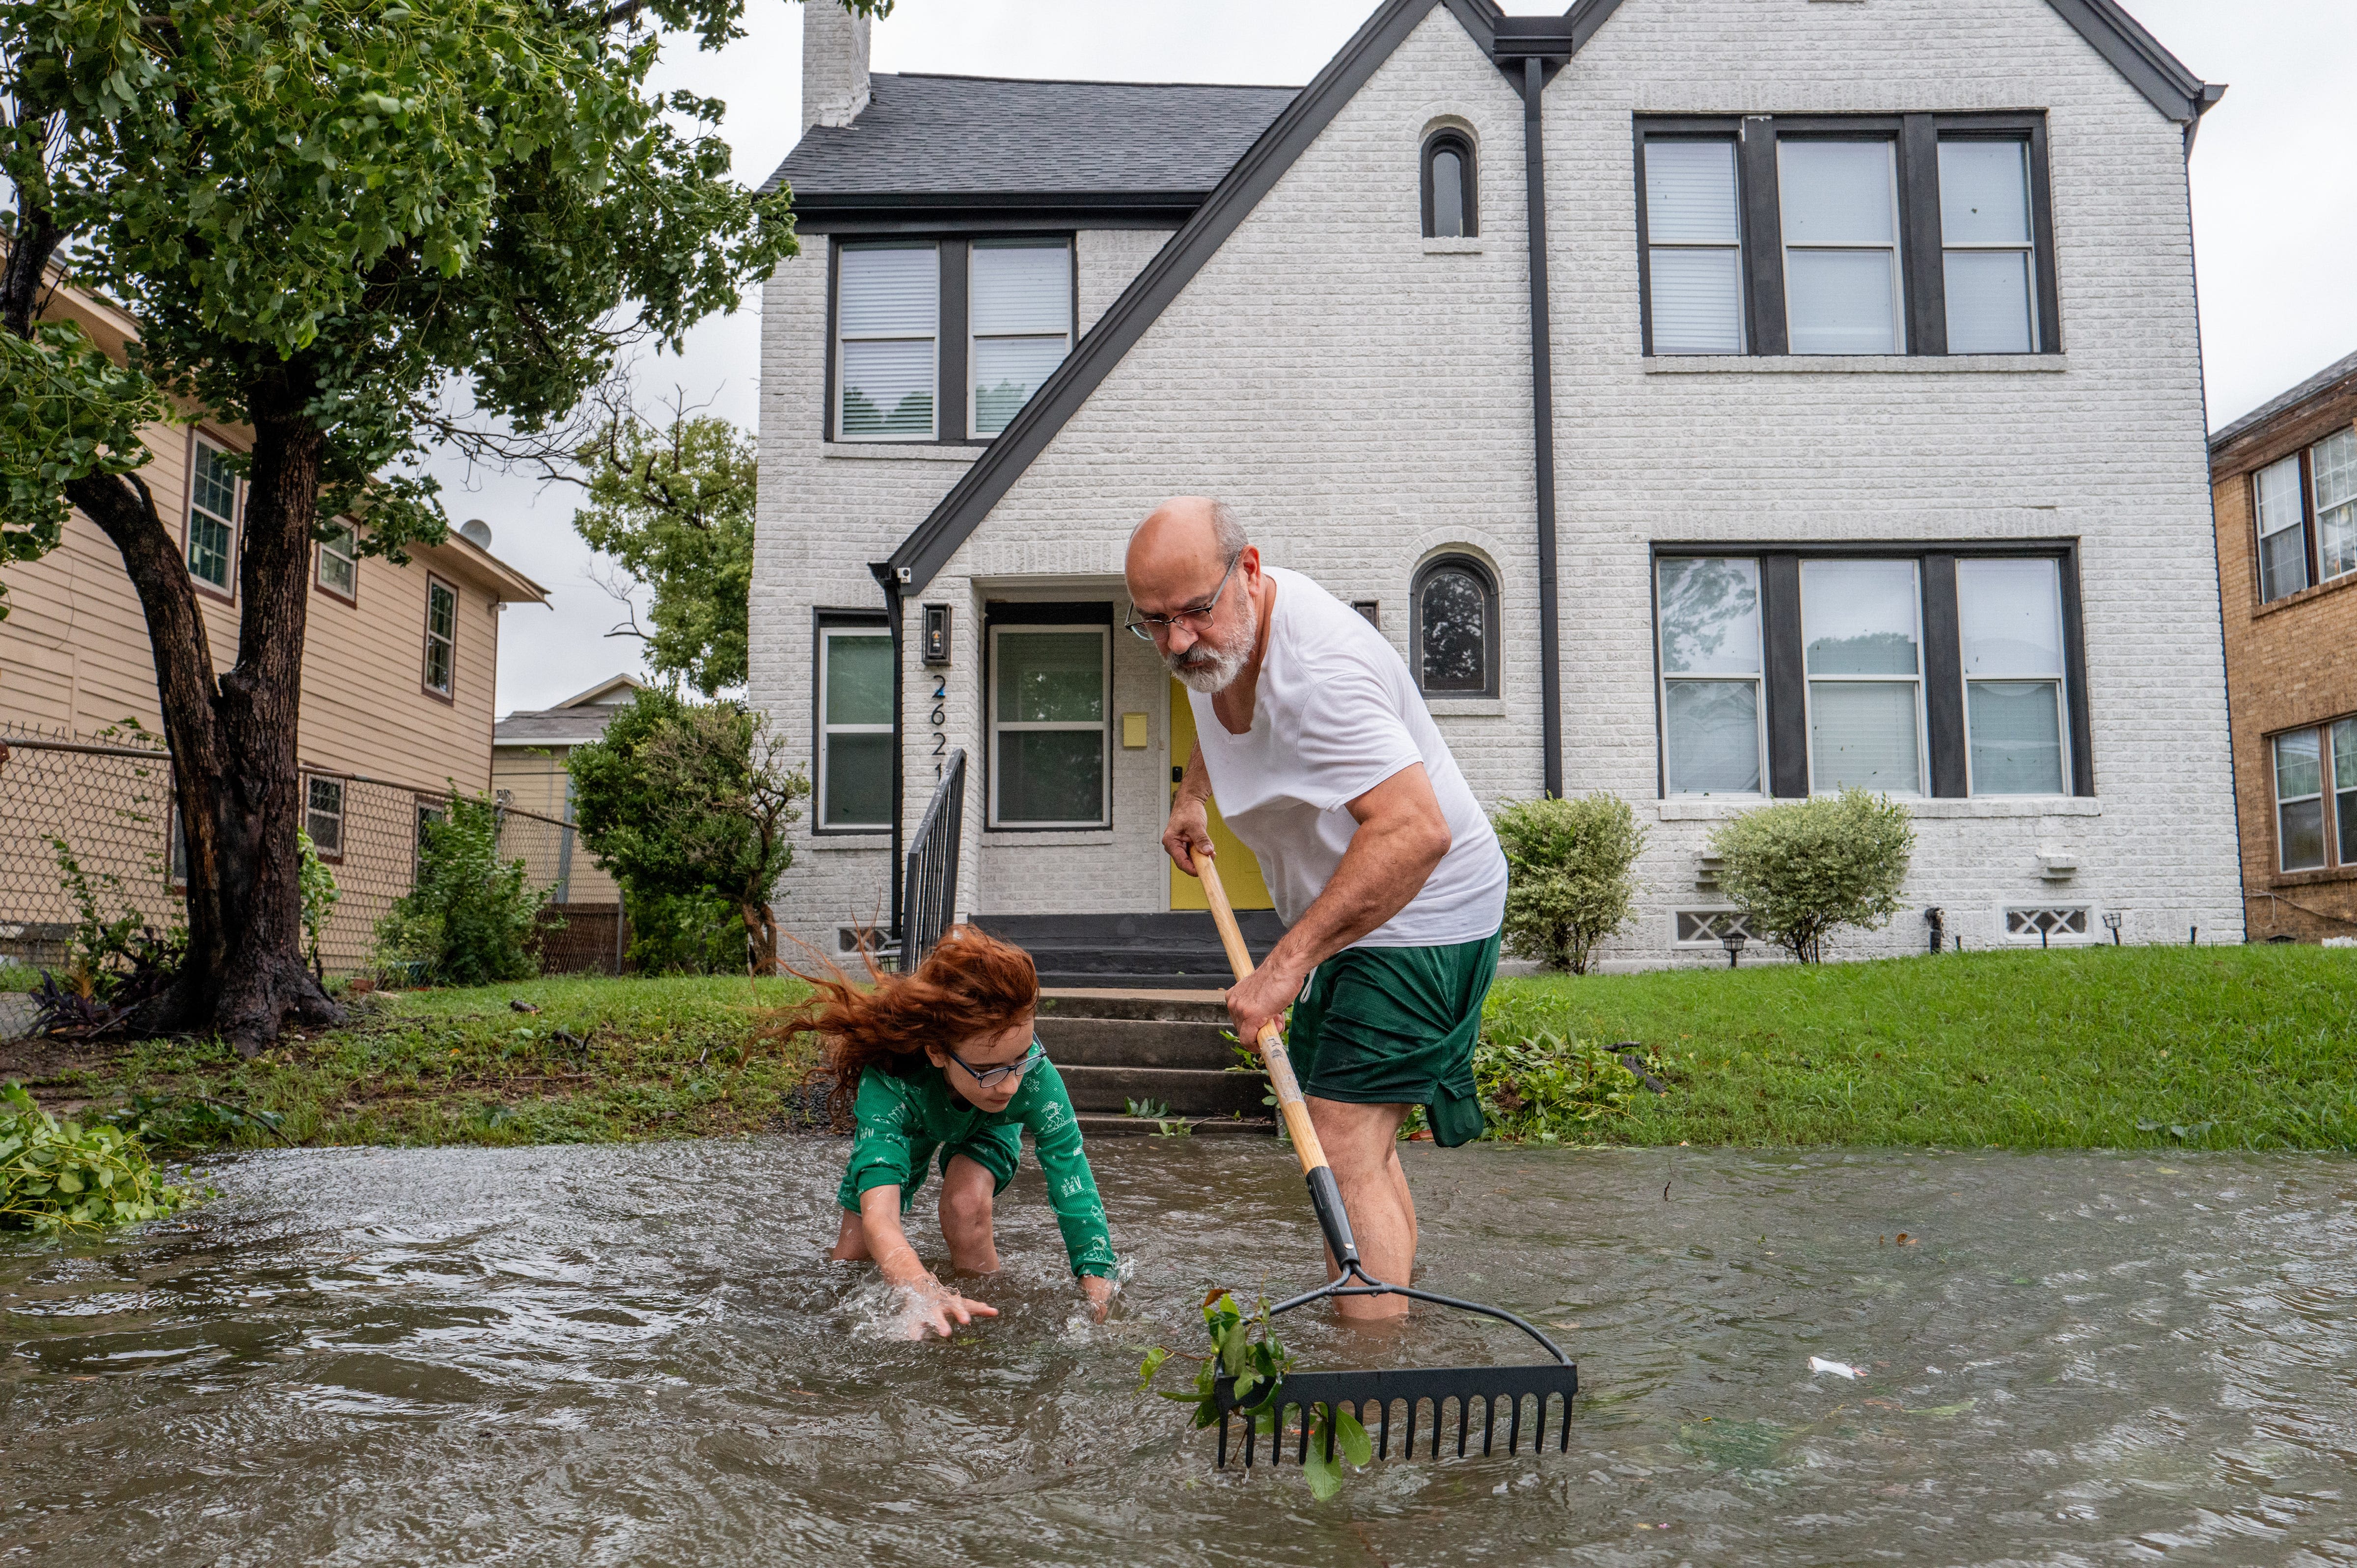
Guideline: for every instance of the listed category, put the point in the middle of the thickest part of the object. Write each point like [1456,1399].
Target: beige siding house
[399,667]
[529,749]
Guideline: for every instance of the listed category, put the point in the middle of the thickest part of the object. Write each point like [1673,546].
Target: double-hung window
[1047,729]
[1841,246]
[1942,670]
[1713,743]
[855,727]
[2010,615]
[212,518]
[1022,313]
[1861,626]
[441,637]
[1695,240]
[1845,234]
[2305,509]
[340,563]
[887,316]
[2283,536]
[2316,796]
[323,815]
[2333,461]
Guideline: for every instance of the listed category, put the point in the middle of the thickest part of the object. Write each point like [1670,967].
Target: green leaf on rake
[1325,1476]
[1350,1438]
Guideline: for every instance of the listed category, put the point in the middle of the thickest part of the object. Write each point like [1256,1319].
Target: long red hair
[971,984]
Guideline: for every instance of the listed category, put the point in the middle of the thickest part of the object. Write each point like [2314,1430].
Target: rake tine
[1301,1454]
[1565,1446]
[1514,1428]
[1488,1421]
[1329,1433]
[1224,1440]
[1464,1416]
[1383,1451]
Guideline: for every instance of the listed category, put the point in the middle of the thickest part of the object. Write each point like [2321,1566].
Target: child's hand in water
[934,1304]
[1099,1290]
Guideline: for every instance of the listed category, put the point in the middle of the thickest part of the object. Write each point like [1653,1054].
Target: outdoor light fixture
[1733,942]
[2112,924]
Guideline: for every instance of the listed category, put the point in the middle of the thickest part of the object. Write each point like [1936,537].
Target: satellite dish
[477,533]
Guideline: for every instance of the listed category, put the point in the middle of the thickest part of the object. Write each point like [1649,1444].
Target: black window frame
[952,325]
[823,620]
[1479,570]
[1784,674]
[996,613]
[1760,216]
[1452,139]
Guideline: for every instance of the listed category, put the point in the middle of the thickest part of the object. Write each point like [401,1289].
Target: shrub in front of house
[1570,876]
[1799,869]
[472,918]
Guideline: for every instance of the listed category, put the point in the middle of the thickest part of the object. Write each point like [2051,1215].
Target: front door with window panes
[1048,731]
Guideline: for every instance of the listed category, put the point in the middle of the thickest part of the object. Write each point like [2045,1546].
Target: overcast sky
[2274,207]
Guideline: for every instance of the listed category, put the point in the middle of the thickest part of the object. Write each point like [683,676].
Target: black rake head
[1422,1395]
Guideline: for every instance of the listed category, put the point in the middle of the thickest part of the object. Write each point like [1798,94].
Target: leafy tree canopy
[674,507]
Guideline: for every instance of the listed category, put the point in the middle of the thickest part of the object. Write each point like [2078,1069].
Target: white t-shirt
[1335,714]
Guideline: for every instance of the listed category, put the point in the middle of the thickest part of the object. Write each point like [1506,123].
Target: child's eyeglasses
[992,1077]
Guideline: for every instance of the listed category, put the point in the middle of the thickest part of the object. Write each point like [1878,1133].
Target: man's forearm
[1195,780]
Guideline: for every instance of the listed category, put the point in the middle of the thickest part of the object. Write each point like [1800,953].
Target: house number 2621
[940,710]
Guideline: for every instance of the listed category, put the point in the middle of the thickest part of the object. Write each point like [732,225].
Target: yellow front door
[1239,872]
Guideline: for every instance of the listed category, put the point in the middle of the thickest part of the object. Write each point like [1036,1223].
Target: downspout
[1543,427]
[890,579]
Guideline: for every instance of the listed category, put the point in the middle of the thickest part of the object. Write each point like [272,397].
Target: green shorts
[995,1149]
[1396,1026]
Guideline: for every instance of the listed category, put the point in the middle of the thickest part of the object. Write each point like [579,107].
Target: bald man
[1318,747]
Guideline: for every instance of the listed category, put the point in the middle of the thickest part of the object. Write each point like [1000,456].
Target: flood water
[588,1355]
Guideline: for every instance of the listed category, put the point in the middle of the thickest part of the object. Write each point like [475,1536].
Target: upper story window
[1904,673]
[1022,307]
[340,563]
[945,340]
[1455,610]
[1907,234]
[2305,507]
[212,518]
[441,672]
[887,316]
[1449,212]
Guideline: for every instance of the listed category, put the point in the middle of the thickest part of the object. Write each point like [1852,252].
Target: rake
[1371,1396]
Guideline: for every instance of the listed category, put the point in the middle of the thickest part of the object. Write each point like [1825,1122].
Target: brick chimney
[834,64]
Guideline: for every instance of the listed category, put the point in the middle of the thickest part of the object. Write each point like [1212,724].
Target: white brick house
[1863,418]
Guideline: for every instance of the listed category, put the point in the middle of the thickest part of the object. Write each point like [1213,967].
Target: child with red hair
[943,1063]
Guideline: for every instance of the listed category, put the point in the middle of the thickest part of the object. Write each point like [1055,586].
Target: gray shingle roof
[987,135]
[2338,370]
[555,726]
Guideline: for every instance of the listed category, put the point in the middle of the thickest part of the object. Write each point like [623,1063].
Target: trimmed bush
[1800,868]
[1569,877]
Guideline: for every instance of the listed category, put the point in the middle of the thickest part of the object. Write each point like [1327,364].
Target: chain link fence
[100,808]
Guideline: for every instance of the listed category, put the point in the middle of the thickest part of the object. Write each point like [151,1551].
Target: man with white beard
[1318,747]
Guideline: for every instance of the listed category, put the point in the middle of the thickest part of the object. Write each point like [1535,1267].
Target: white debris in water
[1838,1368]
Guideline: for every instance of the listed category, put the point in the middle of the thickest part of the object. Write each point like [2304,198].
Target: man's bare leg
[1361,1144]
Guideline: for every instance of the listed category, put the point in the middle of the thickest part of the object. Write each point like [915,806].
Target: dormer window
[1448,207]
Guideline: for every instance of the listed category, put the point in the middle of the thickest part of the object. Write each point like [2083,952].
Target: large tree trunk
[233,739]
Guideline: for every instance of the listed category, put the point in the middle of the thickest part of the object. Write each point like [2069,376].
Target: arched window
[1455,609]
[1448,207]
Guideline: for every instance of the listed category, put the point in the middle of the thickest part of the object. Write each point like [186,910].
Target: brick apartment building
[2285,479]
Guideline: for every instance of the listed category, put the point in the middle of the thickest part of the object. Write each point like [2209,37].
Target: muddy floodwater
[635,1355]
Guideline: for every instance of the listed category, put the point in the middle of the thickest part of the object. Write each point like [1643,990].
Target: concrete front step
[1188,1092]
[1133,1042]
[1178,950]
[1096,1124]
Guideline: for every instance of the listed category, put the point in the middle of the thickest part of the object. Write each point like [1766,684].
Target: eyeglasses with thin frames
[1194,617]
[992,1077]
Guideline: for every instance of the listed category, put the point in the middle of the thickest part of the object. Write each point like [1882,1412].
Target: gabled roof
[928,140]
[612,689]
[2342,369]
[576,721]
[2175,91]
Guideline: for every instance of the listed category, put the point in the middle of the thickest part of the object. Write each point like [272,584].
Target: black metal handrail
[928,885]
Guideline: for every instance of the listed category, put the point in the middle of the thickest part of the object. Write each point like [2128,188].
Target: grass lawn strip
[2246,1048]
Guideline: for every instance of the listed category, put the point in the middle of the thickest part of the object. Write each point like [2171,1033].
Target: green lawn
[2241,1047]
[2137,1047]
[645,1059]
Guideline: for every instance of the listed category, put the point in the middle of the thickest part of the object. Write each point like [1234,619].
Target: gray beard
[1210,670]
